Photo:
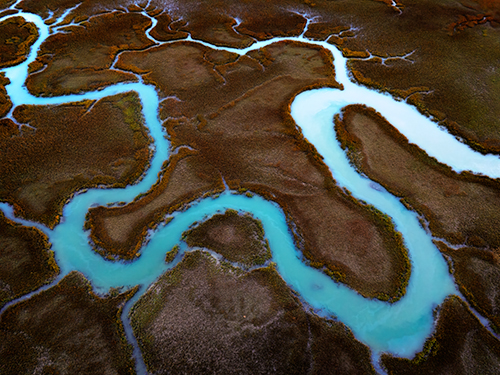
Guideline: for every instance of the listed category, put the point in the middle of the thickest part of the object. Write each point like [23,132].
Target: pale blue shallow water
[399,328]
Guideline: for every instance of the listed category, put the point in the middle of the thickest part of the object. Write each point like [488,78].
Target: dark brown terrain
[66,329]
[237,237]
[233,113]
[66,148]
[16,37]
[205,317]
[460,345]
[228,120]
[461,208]
[26,263]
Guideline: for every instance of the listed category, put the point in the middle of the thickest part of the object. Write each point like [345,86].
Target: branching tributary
[399,328]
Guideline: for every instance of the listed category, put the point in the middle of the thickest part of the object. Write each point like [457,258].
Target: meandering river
[399,328]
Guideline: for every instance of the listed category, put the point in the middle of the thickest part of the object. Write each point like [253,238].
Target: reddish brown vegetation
[5,103]
[238,238]
[70,147]
[65,329]
[25,260]
[235,118]
[189,323]
[460,345]
[78,60]
[16,37]
[462,208]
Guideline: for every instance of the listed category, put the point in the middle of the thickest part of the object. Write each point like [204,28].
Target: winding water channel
[399,328]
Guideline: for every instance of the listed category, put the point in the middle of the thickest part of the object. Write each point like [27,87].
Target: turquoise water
[399,328]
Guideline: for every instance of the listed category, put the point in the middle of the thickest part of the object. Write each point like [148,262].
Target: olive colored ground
[205,316]
[66,329]
[233,113]
[460,345]
[16,37]
[26,263]
[66,148]
[461,208]
[239,238]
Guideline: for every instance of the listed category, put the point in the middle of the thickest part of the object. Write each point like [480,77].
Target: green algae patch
[66,329]
[204,316]
[16,38]
[26,262]
[238,238]
[459,345]
[69,149]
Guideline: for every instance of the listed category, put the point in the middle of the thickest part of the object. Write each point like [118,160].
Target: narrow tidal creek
[399,328]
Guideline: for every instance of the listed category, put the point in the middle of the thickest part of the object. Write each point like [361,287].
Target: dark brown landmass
[460,345]
[5,103]
[66,329]
[67,148]
[461,208]
[237,237]
[452,73]
[208,317]
[16,38]
[233,113]
[79,59]
[26,263]
[476,272]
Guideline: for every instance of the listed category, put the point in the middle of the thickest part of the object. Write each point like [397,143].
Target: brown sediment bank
[455,59]
[476,272]
[459,207]
[462,208]
[79,59]
[16,38]
[5,103]
[460,345]
[67,148]
[235,118]
[237,237]
[26,262]
[205,316]
[66,329]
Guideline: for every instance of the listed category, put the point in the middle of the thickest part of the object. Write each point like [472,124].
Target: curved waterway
[399,328]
